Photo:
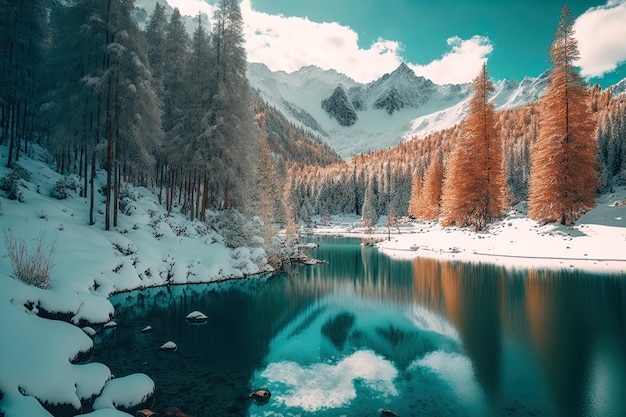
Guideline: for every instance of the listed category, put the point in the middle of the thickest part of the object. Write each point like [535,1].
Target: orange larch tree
[430,198]
[563,178]
[474,192]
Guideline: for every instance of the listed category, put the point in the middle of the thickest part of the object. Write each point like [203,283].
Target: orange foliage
[474,187]
[563,178]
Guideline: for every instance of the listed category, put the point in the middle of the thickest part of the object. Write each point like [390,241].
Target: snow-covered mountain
[355,118]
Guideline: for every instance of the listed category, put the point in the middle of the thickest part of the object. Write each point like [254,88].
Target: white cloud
[192,7]
[289,43]
[601,32]
[461,64]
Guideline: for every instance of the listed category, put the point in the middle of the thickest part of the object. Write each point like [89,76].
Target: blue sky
[444,40]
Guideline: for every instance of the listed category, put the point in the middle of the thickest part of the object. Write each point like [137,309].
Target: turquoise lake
[366,332]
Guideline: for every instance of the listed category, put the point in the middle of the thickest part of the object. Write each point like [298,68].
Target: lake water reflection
[366,332]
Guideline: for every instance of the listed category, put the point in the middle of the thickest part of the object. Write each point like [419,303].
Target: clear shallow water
[366,332]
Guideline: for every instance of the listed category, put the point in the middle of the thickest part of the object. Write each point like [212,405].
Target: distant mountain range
[355,118]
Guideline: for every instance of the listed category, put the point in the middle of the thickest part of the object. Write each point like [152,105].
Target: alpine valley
[354,118]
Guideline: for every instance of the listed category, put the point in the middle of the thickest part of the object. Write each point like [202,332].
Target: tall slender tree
[416,192]
[474,187]
[23,29]
[229,124]
[563,179]
[430,198]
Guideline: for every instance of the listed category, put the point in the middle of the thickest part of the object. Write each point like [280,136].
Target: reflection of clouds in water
[425,319]
[323,386]
[457,372]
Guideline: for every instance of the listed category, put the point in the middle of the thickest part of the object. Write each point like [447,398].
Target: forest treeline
[411,178]
[391,174]
[158,107]
[150,106]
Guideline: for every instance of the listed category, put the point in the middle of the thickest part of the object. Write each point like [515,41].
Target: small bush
[62,187]
[10,183]
[127,197]
[22,172]
[31,265]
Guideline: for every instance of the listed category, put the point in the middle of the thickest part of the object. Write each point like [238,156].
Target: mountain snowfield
[415,107]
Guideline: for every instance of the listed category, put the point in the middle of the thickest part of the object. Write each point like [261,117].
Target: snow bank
[149,247]
[596,243]
[127,392]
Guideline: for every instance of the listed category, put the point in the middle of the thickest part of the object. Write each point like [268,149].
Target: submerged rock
[388,413]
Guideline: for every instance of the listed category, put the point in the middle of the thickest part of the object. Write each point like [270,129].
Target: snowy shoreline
[153,248]
[596,244]
[44,339]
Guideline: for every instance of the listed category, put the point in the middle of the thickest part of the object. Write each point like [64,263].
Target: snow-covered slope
[355,118]
[40,364]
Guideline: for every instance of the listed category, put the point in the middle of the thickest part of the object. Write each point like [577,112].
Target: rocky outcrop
[339,107]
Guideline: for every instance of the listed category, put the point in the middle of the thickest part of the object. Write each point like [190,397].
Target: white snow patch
[125,392]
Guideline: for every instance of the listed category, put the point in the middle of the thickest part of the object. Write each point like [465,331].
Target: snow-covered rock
[89,331]
[126,393]
[169,346]
[196,317]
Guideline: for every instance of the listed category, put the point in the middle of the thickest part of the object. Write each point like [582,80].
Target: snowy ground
[39,358]
[597,243]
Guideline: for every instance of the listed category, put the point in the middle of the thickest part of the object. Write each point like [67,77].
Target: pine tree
[229,125]
[23,30]
[370,204]
[474,187]
[430,201]
[176,49]
[156,36]
[563,178]
[416,193]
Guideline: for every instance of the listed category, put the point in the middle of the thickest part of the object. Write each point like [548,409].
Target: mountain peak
[404,69]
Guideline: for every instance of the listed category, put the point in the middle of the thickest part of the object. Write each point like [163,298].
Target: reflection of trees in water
[468,296]
[574,319]
[567,316]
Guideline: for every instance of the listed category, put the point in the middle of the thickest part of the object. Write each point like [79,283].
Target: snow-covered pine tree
[177,44]
[229,125]
[156,37]
[564,180]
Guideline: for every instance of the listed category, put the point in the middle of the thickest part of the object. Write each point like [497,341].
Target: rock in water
[146,329]
[171,346]
[261,396]
[196,317]
[89,331]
